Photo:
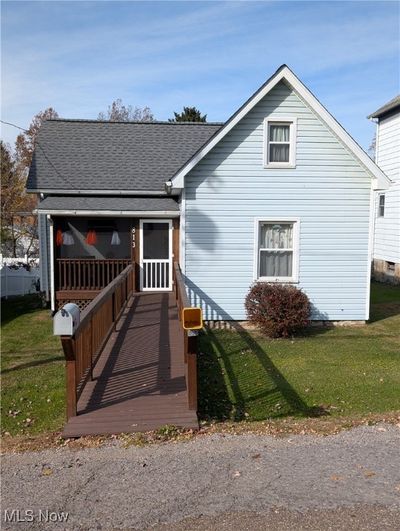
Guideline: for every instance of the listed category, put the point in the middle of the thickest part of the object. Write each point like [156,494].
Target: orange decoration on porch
[59,238]
[91,237]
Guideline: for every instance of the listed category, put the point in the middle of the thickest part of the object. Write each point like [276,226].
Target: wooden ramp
[139,381]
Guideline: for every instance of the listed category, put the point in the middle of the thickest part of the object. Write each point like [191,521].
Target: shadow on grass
[385,301]
[15,307]
[231,391]
[29,364]
[384,310]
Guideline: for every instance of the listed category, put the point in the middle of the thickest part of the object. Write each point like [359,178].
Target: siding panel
[387,228]
[328,190]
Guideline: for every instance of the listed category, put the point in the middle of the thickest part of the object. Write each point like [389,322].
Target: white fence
[18,281]
[34,262]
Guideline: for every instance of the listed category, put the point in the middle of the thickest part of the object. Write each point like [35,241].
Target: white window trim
[379,205]
[296,250]
[281,120]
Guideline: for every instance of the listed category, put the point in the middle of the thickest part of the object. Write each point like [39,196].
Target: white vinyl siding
[328,191]
[388,146]
[387,227]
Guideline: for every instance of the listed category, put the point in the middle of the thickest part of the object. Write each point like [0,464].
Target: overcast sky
[79,56]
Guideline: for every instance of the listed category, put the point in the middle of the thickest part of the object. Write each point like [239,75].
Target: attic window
[280,143]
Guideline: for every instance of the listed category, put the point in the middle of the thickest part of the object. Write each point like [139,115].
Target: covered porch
[93,239]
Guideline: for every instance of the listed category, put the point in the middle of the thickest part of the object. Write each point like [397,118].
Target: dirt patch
[277,428]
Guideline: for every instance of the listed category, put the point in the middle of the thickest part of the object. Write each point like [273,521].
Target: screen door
[156,255]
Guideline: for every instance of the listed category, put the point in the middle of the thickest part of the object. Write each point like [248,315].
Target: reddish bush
[279,310]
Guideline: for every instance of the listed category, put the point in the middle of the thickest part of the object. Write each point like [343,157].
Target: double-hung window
[280,143]
[277,250]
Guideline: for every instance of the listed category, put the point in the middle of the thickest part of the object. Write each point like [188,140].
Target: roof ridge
[133,122]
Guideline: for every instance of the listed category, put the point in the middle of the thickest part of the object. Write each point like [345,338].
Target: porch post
[52,264]
[191,369]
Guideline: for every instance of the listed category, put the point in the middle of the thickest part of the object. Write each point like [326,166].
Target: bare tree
[372,148]
[18,224]
[25,143]
[118,112]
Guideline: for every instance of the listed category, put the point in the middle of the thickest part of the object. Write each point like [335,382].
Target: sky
[79,56]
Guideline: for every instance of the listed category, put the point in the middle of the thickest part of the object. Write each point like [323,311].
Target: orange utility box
[192,318]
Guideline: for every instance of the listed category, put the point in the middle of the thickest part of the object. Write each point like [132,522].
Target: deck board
[139,380]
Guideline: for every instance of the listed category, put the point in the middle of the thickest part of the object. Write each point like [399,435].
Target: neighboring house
[278,193]
[386,265]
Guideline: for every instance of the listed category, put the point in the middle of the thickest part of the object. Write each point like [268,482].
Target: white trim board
[285,74]
[52,255]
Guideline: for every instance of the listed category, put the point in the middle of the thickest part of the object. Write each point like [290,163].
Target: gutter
[97,192]
[124,213]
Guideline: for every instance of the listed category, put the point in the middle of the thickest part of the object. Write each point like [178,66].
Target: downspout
[52,287]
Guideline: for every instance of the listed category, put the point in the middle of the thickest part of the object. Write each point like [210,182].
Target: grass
[337,372]
[242,376]
[32,376]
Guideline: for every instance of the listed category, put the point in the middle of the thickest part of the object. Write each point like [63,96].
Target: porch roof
[103,205]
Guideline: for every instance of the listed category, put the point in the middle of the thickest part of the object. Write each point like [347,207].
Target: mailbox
[192,318]
[66,320]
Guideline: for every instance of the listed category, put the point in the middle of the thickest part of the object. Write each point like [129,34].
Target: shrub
[279,310]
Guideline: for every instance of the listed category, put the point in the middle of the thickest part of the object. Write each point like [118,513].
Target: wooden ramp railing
[190,339]
[96,324]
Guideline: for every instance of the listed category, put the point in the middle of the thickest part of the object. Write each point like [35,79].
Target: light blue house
[278,193]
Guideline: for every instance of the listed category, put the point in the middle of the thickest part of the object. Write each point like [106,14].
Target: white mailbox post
[66,320]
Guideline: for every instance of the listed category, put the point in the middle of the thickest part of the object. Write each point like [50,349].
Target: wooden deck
[139,381]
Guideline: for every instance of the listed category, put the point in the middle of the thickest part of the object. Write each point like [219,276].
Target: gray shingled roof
[389,106]
[96,203]
[96,155]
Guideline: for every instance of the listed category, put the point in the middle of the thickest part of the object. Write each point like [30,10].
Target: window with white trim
[381,208]
[277,251]
[280,143]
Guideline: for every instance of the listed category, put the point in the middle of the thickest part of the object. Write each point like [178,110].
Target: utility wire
[42,149]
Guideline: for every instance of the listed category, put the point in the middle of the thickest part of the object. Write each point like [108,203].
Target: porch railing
[96,324]
[87,273]
[189,338]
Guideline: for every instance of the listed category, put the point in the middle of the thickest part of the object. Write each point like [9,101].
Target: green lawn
[32,376]
[242,376]
[339,371]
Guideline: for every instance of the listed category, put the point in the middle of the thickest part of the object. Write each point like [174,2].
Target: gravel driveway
[212,482]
